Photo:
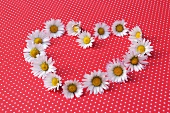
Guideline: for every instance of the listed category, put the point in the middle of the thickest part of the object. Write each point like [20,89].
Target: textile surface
[146,90]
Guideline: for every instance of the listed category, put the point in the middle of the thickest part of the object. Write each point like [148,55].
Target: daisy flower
[85,40]
[96,82]
[54,28]
[72,88]
[73,28]
[52,81]
[42,66]
[119,29]
[39,37]
[134,61]
[142,47]
[116,71]
[135,34]
[32,50]
[101,31]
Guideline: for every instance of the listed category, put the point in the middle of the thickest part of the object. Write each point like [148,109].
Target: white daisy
[52,81]
[85,40]
[39,37]
[101,31]
[73,28]
[116,71]
[119,29]
[135,34]
[134,61]
[96,82]
[54,28]
[142,47]
[32,50]
[72,88]
[42,66]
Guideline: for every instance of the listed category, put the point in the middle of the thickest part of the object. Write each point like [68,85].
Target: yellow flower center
[101,31]
[38,40]
[34,52]
[86,40]
[72,88]
[44,66]
[141,48]
[55,81]
[96,81]
[53,29]
[76,28]
[118,71]
[138,35]
[134,60]
[119,28]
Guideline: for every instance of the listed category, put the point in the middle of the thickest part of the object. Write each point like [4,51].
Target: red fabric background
[146,91]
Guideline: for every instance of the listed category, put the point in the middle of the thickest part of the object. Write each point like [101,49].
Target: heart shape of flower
[97,81]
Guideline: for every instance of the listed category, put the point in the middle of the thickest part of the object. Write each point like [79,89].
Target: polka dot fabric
[146,91]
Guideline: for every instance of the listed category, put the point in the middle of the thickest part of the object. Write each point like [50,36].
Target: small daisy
[39,37]
[142,47]
[73,28]
[119,29]
[135,34]
[52,81]
[101,31]
[85,40]
[54,28]
[32,50]
[96,82]
[134,61]
[116,71]
[72,88]
[42,66]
